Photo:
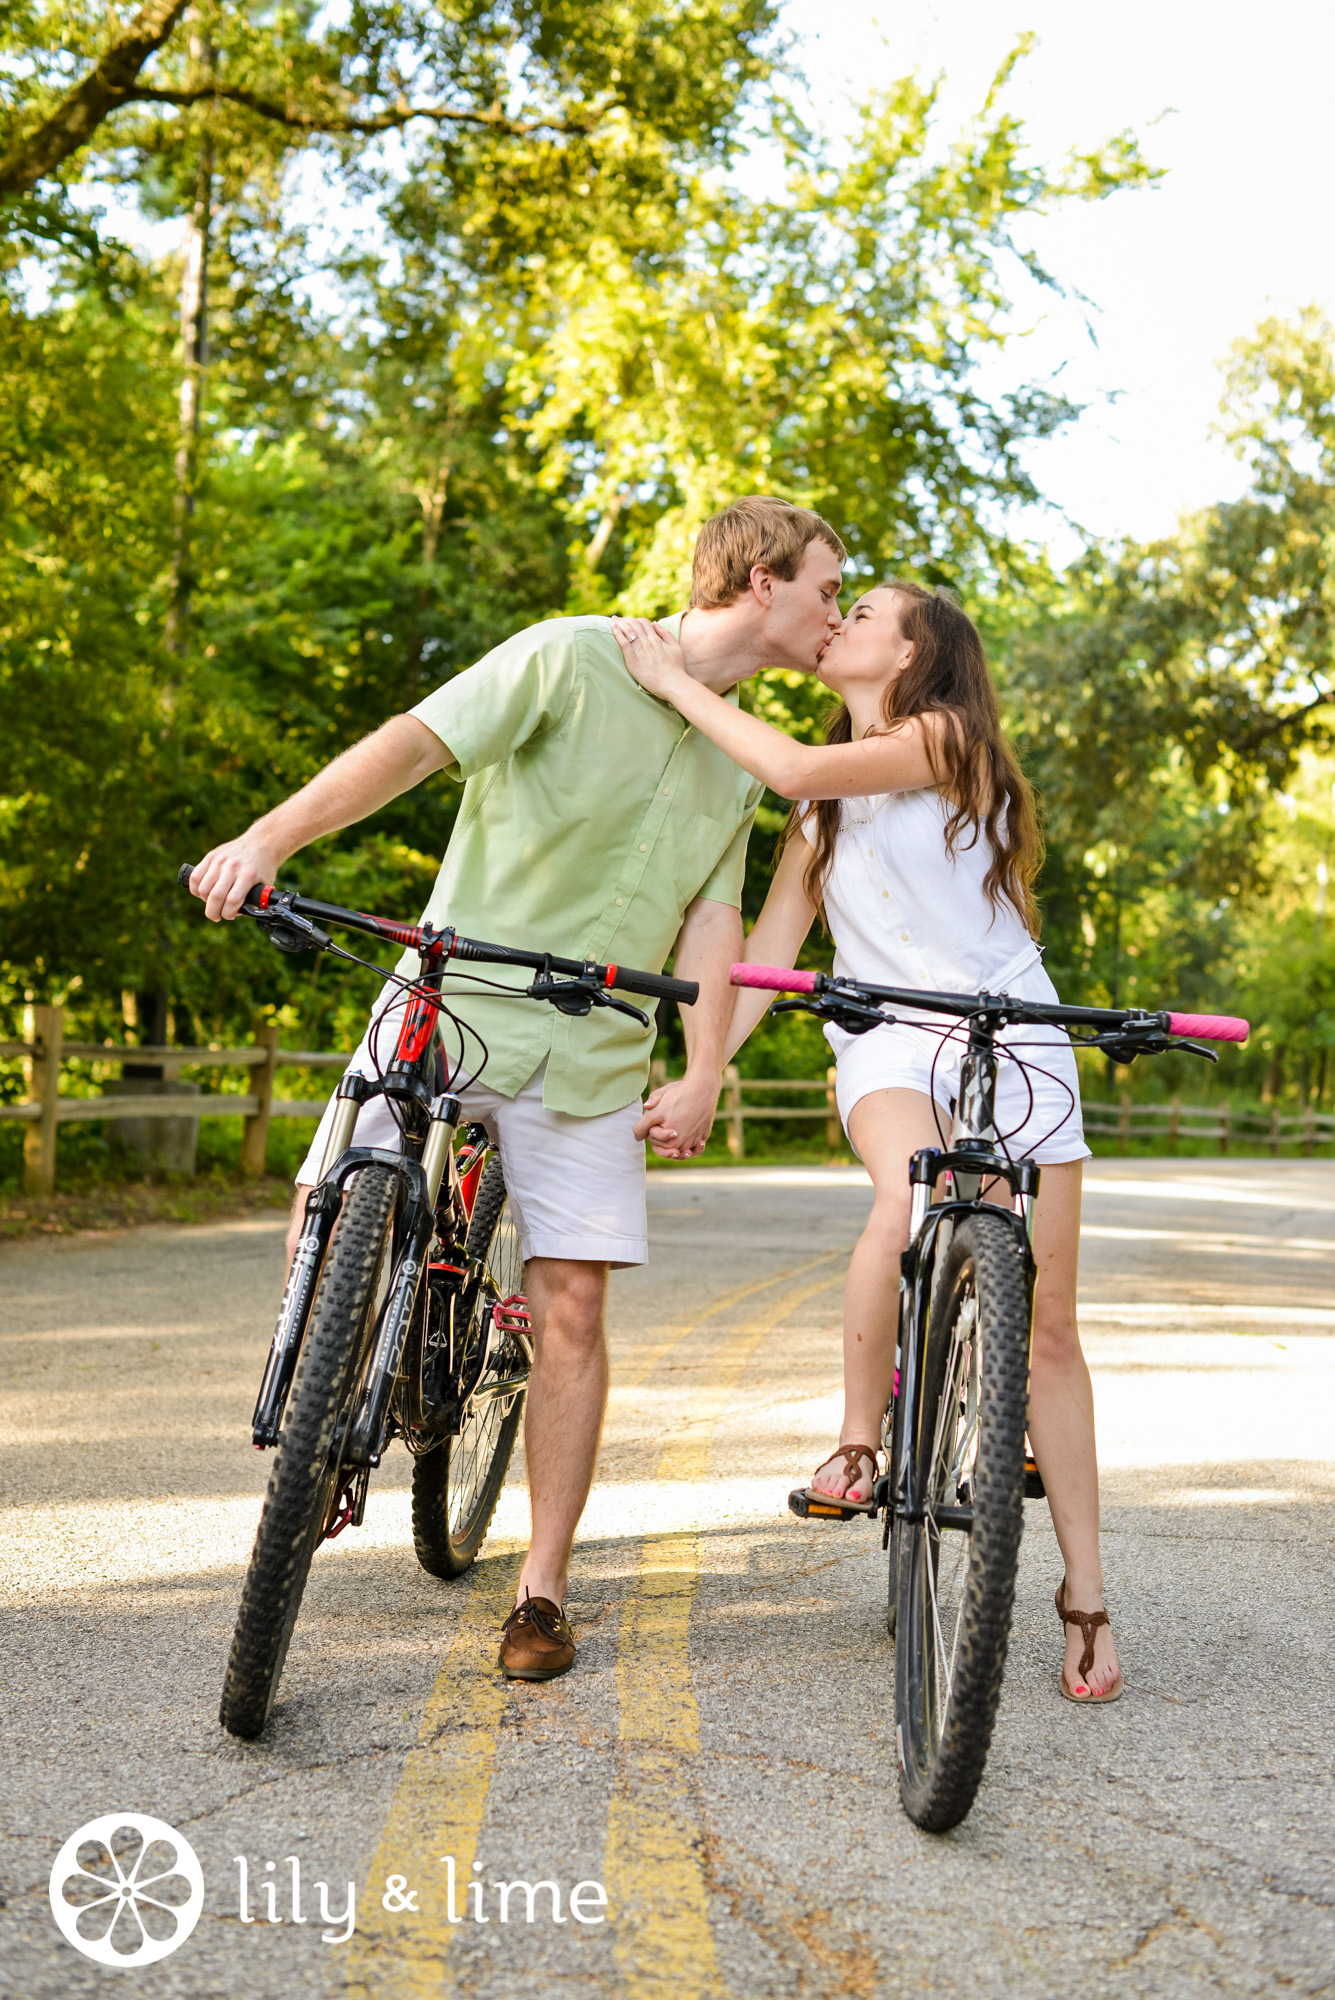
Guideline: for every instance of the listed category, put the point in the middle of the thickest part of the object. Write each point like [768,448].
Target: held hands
[656,661]
[679,1116]
[226,873]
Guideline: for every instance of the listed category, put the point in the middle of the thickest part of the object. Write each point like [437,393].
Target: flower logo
[126,1889]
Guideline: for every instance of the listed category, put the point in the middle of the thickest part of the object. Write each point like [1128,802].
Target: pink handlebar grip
[772,979]
[1210,1027]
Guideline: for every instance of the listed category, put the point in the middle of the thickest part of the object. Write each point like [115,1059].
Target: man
[594,824]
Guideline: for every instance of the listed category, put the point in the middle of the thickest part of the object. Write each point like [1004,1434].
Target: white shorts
[1037,1105]
[576,1185]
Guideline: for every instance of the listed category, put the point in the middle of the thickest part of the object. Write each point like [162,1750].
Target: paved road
[721,1764]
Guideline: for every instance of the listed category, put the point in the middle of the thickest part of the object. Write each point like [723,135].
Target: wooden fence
[734,1110]
[1175,1121]
[44,1110]
[1124,1121]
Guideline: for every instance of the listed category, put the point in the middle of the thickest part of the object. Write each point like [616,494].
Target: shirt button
[903,937]
[871,854]
[620,900]
[665,791]
[643,848]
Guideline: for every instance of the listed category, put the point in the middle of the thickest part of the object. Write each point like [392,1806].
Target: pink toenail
[1082,1690]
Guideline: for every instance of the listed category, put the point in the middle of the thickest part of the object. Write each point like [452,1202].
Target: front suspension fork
[322,1209]
[365,1435]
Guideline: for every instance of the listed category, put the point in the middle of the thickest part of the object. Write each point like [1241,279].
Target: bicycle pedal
[512,1315]
[808,1509]
[1034,1489]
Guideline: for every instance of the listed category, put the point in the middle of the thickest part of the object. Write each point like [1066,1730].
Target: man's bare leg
[563,1417]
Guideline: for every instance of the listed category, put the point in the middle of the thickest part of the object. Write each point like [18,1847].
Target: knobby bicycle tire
[304,1482]
[949,1661]
[456,1486]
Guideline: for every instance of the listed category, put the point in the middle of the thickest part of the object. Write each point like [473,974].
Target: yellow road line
[441,1799]
[632,1375]
[654,1872]
[438,1808]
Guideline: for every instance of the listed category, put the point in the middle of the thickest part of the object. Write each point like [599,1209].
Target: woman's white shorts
[576,1185]
[1038,1090]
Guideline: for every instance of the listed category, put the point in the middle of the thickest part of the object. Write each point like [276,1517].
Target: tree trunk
[432,502]
[194,367]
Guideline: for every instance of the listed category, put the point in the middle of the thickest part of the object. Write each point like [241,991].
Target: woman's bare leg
[887,1128]
[1061,1416]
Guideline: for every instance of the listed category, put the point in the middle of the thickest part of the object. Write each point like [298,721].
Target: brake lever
[1123,1047]
[290,932]
[855,1017]
[601,998]
[580,996]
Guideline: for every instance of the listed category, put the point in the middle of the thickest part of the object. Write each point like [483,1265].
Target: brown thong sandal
[1089,1623]
[807,1502]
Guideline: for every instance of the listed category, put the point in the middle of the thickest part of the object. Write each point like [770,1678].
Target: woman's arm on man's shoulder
[893,760]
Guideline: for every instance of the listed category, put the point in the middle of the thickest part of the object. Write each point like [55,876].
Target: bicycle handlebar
[654,985]
[1210,1027]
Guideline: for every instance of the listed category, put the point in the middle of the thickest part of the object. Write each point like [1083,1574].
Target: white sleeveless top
[903,912]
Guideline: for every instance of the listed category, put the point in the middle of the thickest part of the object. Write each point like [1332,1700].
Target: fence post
[255,1134]
[45,1025]
[1225,1125]
[1174,1122]
[834,1131]
[1274,1133]
[732,1104]
[1309,1131]
[1124,1123]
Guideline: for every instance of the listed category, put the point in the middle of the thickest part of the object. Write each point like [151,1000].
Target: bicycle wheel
[305,1483]
[456,1486]
[956,1587]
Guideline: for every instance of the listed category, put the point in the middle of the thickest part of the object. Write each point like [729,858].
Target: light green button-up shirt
[592,816]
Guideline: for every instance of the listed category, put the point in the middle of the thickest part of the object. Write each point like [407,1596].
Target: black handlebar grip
[658,986]
[184,872]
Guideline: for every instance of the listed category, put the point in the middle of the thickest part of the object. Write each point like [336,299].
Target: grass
[94,1190]
[105,1205]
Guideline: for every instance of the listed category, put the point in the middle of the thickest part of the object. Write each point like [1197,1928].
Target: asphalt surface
[721,1763]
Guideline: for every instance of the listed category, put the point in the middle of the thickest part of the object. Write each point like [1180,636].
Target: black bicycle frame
[972,1160]
[435,1118]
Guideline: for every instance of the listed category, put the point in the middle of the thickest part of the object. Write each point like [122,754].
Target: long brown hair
[979,774]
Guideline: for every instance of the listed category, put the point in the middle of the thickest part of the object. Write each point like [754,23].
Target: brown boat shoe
[537,1643]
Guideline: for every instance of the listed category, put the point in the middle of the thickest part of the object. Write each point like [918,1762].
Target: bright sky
[1240,228]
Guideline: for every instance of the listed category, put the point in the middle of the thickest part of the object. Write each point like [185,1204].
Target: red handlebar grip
[1210,1027]
[772,979]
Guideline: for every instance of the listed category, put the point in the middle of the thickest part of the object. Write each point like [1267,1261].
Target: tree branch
[1277,725]
[78,115]
[331,121]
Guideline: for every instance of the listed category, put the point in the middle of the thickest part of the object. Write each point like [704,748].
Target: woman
[915,832]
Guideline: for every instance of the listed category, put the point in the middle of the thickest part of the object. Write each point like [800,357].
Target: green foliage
[567,334]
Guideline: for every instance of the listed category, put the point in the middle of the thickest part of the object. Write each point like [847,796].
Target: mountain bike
[954,1432]
[404,1313]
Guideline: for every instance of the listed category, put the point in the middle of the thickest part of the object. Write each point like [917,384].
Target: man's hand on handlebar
[227,872]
